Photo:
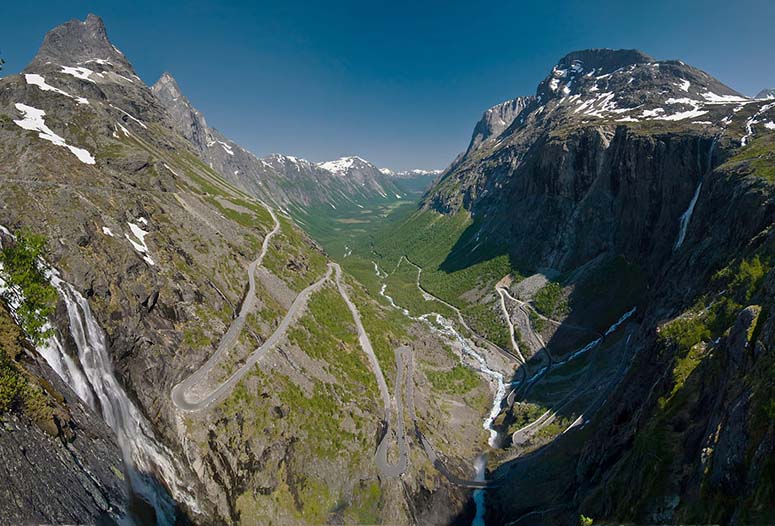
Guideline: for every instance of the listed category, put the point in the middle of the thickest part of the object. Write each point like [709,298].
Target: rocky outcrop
[497,119]
[77,43]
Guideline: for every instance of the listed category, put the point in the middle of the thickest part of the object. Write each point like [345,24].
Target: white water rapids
[446,327]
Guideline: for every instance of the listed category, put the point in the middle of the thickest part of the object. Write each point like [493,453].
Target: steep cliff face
[604,157]
[657,163]
[497,119]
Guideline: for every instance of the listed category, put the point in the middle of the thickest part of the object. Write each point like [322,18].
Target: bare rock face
[77,43]
[187,120]
[497,119]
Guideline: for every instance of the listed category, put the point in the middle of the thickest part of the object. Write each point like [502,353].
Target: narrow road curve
[404,359]
[388,470]
[511,325]
[400,467]
[525,306]
[181,392]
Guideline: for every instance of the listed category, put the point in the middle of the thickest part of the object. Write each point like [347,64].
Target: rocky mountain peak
[186,119]
[766,94]
[497,119]
[605,60]
[167,86]
[628,85]
[75,42]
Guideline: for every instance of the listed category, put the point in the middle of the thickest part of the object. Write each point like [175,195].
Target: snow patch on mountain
[79,72]
[33,121]
[33,79]
[226,147]
[139,234]
[342,165]
[138,121]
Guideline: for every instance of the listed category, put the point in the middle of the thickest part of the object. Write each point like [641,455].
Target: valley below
[570,324]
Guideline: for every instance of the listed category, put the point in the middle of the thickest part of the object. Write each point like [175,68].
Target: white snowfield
[78,72]
[342,165]
[140,234]
[33,121]
[33,79]
[603,102]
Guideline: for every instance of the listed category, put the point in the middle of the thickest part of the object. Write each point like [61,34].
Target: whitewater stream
[446,327]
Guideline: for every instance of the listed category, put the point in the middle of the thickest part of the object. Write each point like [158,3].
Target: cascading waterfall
[65,367]
[51,350]
[449,330]
[686,217]
[144,456]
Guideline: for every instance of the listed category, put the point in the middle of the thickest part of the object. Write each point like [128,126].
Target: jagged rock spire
[75,42]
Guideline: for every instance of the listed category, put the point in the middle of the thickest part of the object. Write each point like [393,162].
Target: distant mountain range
[283,179]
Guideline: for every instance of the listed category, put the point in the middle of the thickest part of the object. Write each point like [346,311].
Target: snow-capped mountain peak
[766,94]
[344,165]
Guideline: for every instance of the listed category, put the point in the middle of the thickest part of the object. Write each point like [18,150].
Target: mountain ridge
[290,182]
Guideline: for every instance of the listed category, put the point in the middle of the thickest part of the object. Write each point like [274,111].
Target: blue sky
[399,83]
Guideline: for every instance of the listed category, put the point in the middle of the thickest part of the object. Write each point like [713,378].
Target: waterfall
[146,459]
[500,392]
[479,494]
[448,329]
[65,367]
[687,215]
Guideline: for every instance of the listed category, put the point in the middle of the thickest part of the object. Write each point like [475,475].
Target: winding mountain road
[187,395]
[182,391]
[228,340]
[402,464]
